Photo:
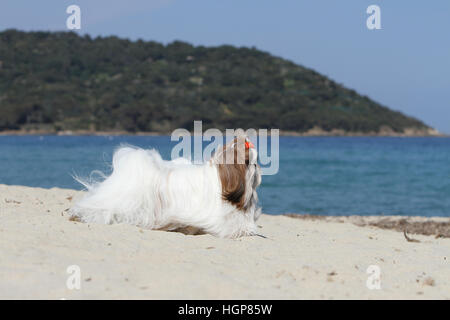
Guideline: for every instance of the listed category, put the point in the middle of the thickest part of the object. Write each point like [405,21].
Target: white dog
[218,197]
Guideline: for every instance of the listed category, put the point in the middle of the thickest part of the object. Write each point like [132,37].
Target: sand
[299,259]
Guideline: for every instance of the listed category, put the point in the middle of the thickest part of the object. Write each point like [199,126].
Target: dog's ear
[233,162]
[232,172]
[232,178]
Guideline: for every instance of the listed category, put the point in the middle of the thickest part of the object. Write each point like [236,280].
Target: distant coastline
[154,88]
[314,132]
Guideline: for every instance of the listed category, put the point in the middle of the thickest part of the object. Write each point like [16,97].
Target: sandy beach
[306,258]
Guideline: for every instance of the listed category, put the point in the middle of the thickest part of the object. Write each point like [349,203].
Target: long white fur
[147,191]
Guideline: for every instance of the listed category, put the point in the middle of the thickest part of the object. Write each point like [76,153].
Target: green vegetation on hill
[63,81]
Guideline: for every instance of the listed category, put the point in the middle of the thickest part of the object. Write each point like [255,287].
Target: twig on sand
[262,236]
[408,238]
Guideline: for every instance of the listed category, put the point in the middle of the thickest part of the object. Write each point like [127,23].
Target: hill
[63,81]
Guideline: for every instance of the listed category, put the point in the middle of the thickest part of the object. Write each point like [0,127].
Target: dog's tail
[127,195]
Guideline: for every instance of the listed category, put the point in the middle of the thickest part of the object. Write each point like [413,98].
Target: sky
[405,65]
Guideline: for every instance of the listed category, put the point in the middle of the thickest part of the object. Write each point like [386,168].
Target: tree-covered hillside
[62,81]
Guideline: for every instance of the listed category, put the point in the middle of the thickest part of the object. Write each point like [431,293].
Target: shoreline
[300,258]
[311,133]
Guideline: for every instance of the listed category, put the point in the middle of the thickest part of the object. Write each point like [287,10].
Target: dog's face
[234,161]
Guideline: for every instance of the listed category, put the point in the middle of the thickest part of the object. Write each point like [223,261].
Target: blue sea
[317,175]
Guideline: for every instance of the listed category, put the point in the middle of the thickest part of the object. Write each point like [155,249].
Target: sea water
[317,175]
